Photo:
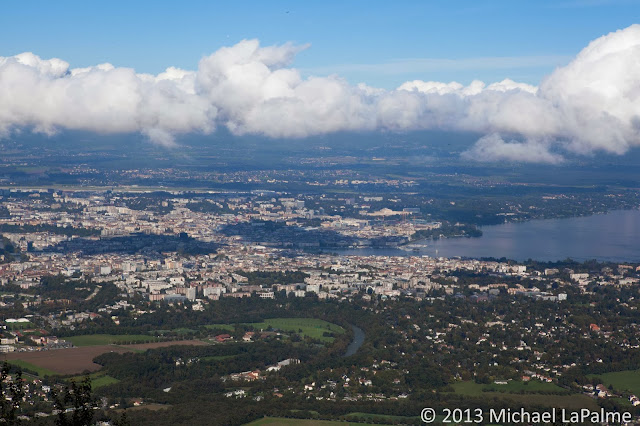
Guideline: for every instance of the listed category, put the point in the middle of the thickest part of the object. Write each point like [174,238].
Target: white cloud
[47,95]
[591,104]
[493,148]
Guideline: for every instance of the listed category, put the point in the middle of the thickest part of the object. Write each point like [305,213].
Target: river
[358,340]
[613,237]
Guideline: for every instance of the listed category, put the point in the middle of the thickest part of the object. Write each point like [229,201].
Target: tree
[11,394]
[76,400]
[122,421]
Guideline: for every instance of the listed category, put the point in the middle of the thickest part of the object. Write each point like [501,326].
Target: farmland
[80,359]
[65,361]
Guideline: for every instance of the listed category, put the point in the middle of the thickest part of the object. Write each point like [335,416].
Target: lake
[614,237]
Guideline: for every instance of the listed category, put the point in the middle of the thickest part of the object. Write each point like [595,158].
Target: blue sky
[380,43]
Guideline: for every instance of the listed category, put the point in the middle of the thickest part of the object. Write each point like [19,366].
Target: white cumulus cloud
[592,104]
[493,148]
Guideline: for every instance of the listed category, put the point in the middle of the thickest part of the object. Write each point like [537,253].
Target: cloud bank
[590,105]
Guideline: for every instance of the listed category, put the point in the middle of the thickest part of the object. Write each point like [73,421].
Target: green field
[314,328]
[110,339]
[311,327]
[279,421]
[19,325]
[103,381]
[623,380]
[470,388]
[98,379]
[41,372]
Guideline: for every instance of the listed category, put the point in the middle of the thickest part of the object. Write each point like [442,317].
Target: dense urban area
[133,306]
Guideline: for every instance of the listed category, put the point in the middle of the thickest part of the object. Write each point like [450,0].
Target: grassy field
[110,339]
[475,389]
[98,379]
[278,421]
[103,381]
[623,380]
[20,325]
[40,371]
[314,328]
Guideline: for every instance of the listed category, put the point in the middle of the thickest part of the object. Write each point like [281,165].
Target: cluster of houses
[253,375]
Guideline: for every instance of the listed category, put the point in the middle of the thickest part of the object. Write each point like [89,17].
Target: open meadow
[628,380]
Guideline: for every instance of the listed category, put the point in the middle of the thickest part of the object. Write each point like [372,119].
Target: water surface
[358,340]
[614,237]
